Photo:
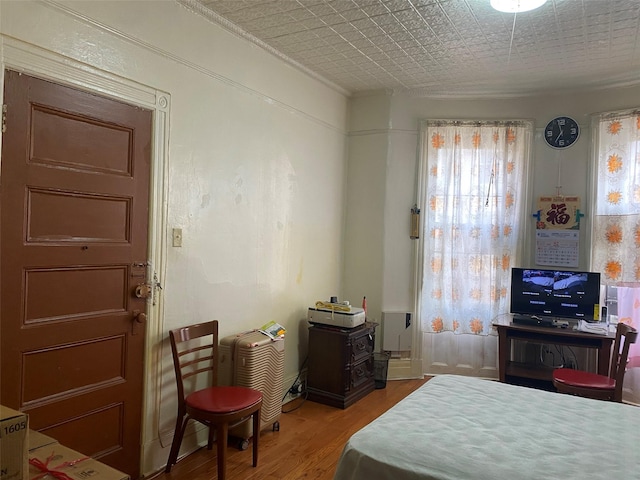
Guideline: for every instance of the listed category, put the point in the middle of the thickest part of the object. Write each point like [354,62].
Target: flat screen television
[555,293]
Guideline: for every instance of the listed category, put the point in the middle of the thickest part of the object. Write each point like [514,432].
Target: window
[473,190]
[616,226]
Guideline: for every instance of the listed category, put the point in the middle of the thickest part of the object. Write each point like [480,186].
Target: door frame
[35,61]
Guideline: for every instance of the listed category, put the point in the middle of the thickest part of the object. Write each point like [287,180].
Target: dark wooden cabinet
[340,364]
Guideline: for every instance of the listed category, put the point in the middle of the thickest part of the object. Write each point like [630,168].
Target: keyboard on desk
[533,320]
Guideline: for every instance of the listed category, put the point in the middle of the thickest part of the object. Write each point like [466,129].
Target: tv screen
[555,293]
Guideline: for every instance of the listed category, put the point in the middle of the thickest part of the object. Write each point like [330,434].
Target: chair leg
[256,436]
[222,433]
[210,441]
[181,425]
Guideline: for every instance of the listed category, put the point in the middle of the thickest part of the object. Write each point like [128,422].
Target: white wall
[386,124]
[256,172]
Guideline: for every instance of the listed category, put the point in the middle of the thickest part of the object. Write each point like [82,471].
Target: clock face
[561,132]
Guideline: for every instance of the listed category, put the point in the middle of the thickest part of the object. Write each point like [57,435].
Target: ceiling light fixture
[516,6]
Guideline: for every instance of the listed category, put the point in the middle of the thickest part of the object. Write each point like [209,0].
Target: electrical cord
[336,307]
[296,380]
[545,349]
[304,399]
[573,359]
[567,359]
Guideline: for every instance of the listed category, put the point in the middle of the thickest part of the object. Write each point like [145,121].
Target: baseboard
[404,368]
[156,452]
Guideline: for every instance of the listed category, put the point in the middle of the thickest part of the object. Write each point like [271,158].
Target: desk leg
[503,355]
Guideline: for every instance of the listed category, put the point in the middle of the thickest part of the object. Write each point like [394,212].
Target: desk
[547,335]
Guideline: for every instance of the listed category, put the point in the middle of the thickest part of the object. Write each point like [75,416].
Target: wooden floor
[307,446]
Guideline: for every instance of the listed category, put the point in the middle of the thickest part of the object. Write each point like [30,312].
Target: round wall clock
[561,132]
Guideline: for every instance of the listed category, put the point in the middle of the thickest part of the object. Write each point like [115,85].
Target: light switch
[177,237]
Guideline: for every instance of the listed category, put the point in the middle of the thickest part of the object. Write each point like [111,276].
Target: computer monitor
[555,293]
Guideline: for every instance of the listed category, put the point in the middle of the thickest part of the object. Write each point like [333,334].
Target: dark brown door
[74,218]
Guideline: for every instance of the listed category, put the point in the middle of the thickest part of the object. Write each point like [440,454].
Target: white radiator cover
[396,331]
[251,359]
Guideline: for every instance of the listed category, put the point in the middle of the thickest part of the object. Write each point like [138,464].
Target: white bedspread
[458,428]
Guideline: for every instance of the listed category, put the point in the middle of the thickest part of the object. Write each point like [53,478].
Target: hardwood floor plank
[308,445]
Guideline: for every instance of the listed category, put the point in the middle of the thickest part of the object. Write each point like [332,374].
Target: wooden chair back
[195,359]
[625,336]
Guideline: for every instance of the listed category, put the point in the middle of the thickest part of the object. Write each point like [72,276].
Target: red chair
[195,355]
[600,387]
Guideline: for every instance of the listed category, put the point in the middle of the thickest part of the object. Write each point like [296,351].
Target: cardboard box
[37,440]
[14,426]
[74,464]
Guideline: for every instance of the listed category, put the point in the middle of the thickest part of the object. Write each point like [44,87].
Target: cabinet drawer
[361,347]
[361,373]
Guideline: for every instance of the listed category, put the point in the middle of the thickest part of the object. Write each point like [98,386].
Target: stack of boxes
[28,455]
[14,461]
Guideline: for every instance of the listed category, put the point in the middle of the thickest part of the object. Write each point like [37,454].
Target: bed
[457,428]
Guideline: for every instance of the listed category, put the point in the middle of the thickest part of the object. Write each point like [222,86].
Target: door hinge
[4,117]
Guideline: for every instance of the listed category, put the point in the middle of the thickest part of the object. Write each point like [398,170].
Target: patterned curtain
[474,194]
[616,236]
[616,226]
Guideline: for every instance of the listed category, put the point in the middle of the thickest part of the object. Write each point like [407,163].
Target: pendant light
[516,6]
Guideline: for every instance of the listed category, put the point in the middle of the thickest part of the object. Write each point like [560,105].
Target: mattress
[457,428]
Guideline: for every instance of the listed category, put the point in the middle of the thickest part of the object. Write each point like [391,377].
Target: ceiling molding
[201,10]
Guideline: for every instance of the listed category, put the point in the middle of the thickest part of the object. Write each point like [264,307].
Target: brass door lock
[143,290]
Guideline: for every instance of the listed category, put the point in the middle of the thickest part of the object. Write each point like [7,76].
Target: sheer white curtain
[616,224]
[473,190]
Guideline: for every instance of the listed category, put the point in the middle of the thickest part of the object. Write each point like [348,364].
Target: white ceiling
[443,47]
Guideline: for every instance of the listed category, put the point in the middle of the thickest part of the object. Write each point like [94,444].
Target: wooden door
[74,219]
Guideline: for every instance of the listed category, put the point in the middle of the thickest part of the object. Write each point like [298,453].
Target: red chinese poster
[558,213]
[558,231]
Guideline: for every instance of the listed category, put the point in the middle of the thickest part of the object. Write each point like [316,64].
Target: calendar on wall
[558,231]
[557,247]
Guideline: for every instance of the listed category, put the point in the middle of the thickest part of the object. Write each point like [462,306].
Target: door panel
[107,440]
[74,218]
[46,297]
[96,147]
[56,216]
[65,373]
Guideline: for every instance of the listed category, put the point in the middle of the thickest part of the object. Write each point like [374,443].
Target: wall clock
[561,132]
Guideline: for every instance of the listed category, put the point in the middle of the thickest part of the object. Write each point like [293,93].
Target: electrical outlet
[297,388]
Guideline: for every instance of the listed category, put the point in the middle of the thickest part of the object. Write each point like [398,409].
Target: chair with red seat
[195,355]
[600,387]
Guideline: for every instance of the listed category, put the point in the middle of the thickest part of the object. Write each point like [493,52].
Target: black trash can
[380,367]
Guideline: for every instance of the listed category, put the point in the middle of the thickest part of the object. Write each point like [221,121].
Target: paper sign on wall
[558,213]
[558,231]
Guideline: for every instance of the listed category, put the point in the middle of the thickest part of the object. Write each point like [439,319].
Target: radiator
[251,359]
[397,332]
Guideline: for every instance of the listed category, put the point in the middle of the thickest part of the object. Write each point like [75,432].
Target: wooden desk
[546,335]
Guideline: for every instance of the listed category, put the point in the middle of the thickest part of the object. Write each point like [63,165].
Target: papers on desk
[597,328]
